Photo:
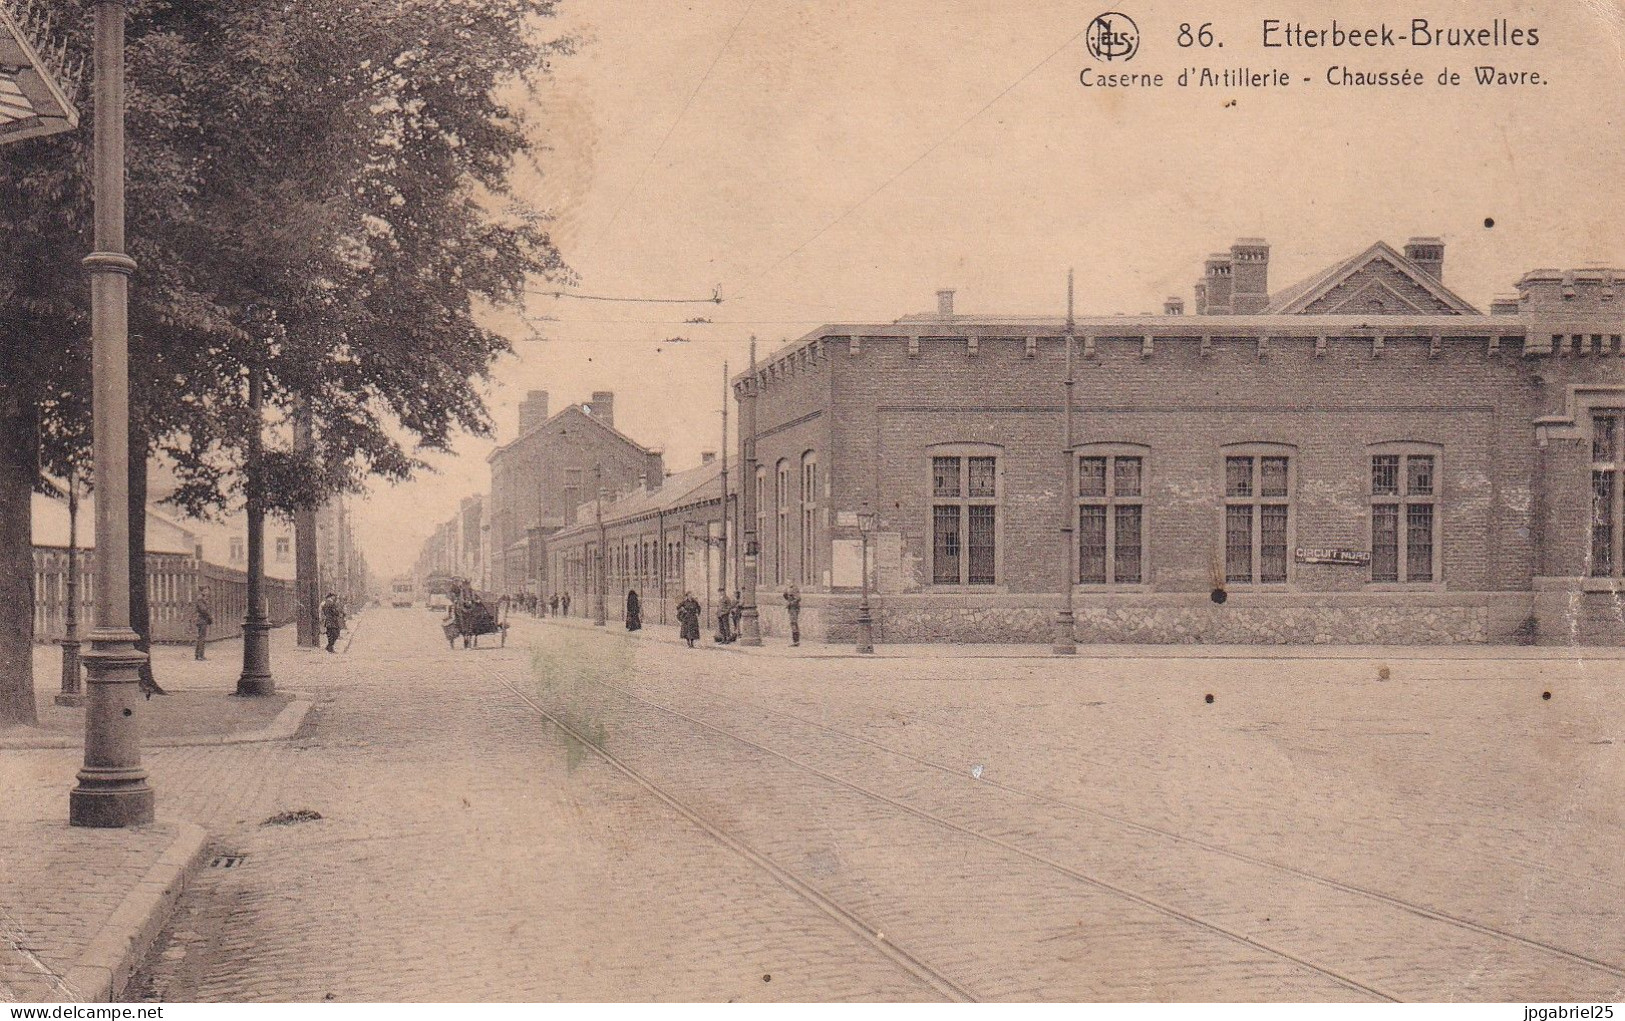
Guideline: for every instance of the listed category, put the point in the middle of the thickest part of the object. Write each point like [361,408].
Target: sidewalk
[779,647]
[79,908]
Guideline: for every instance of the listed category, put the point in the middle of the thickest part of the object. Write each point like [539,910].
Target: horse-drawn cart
[470,618]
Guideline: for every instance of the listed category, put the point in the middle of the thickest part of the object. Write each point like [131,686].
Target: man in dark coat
[634,611]
[564,603]
[725,617]
[792,606]
[332,619]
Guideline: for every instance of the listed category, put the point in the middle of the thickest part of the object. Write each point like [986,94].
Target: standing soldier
[564,603]
[792,605]
[332,619]
[725,617]
[553,605]
[203,618]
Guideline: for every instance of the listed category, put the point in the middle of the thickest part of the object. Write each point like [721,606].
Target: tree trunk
[19,468]
[307,600]
[140,606]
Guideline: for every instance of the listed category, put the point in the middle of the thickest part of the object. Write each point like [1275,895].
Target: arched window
[761,519]
[781,531]
[809,518]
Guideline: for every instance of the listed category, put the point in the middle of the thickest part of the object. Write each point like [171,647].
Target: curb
[281,728]
[1214,651]
[107,964]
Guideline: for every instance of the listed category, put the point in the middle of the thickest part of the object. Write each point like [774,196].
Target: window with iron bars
[964,520]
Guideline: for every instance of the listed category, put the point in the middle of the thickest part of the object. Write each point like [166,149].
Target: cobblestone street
[923,828]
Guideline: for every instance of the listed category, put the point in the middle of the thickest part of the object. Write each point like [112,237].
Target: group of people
[729,611]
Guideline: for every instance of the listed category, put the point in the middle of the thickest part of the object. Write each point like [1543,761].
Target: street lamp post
[72,693]
[600,614]
[866,626]
[256,678]
[112,789]
[1066,643]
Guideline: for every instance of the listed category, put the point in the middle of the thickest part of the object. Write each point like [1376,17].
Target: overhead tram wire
[670,130]
[939,143]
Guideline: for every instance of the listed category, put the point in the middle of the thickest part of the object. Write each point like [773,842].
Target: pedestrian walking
[553,604]
[792,606]
[332,619]
[202,617]
[564,602]
[634,611]
[736,613]
[688,619]
[725,617]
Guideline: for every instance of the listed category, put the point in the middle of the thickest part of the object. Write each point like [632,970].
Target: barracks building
[1361,457]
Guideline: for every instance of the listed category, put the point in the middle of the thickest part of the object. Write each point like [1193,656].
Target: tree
[321,189]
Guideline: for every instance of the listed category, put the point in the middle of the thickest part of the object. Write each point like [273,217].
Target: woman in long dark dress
[634,611]
[688,616]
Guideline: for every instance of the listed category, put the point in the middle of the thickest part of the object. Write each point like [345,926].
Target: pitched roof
[1306,292]
[577,410]
[680,489]
[33,80]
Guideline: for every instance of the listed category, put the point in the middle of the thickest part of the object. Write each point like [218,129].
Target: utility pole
[600,615]
[750,626]
[722,545]
[1066,644]
[306,566]
[256,677]
[112,789]
[72,693]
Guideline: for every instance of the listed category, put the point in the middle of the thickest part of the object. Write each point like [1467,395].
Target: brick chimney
[1250,279]
[602,406]
[1428,254]
[1218,279]
[1173,306]
[707,456]
[1201,298]
[945,303]
[532,411]
[654,471]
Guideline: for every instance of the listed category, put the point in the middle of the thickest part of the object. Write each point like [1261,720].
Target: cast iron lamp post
[256,678]
[112,789]
[866,626]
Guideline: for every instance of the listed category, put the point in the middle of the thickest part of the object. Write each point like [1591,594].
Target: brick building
[1360,457]
[554,465]
[659,541]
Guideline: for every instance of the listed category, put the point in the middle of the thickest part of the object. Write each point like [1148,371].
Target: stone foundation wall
[1162,619]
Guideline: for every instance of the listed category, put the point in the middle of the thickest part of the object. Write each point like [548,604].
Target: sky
[817,161]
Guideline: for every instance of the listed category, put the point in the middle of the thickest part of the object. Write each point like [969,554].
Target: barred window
[1111,530]
[781,531]
[1404,525]
[1607,460]
[1257,518]
[964,520]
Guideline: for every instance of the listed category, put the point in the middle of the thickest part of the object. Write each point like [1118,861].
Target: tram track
[1422,910]
[848,919]
[911,961]
[1436,916]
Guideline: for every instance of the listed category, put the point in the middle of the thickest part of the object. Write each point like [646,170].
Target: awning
[33,77]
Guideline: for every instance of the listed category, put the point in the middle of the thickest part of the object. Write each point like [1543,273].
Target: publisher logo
[1112,36]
